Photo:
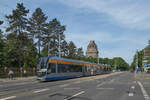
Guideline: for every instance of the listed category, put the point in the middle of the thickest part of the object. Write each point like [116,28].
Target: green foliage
[36,27]
[24,35]
[80,52]
[2,46]
[140,59]
[120,63]
[51,38]
[72,50]
[18,42]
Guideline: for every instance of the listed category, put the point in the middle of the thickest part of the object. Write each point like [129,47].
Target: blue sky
[119,27]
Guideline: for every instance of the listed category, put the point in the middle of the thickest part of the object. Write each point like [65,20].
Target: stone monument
[92,51]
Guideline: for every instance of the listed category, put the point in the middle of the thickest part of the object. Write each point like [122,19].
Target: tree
[55,29]
[1,22]
[140,59]
[37,24]
[80,52]
[17,37]
[72,49]
[2,45]
[64,49]
[120,63]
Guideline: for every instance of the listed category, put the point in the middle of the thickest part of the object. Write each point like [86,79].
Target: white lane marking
[97,81]
[11,97]
[106,88]
[131,94]
[71,88]
[134,82]
[77,82]
[146,96]
[100,84]
[89,80]
[112,80]
[132,87]
[42,90]
[20,83]
[64,85]
[75,95]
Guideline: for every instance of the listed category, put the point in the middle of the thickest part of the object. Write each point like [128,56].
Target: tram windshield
[42,64]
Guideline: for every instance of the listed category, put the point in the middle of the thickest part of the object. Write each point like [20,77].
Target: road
[115,86]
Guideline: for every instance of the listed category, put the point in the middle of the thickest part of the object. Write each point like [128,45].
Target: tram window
[69,68]
[78,68]
[51,68]
[62,68]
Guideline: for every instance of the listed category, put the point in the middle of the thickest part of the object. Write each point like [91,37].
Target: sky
[119,27]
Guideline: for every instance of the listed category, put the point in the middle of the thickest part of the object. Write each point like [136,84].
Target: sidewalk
[16,79]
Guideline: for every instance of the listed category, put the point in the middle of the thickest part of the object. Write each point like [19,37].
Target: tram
[54,68]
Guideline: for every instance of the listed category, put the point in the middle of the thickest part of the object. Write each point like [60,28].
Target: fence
[18,72]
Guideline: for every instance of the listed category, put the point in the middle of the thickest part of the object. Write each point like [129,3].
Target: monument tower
[92,51]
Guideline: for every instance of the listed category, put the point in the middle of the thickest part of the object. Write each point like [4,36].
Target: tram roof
[70,60]
[65,59]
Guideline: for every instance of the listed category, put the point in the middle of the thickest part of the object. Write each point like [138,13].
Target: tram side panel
[58,71]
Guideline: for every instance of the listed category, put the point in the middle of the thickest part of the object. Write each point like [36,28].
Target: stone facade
[92,51]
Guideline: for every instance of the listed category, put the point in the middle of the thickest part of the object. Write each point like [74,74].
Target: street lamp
[59,49]
[49,36]
[137,61]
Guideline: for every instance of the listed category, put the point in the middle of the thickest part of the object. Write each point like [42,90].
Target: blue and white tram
[54,68]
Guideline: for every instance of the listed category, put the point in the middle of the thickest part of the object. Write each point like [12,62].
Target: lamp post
[137,61]
[98,59]
[49,36]
[59,49]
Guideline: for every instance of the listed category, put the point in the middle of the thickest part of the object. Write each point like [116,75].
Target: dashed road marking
[74,95]
[100,84]
[42,90]
[111,81]
[64,85]
[7,98]
[77,82]
[71,88]
[131,94]
[146,96]
[106,88]
[134,82]
[132,87]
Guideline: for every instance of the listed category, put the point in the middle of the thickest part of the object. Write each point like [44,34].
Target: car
[132,70]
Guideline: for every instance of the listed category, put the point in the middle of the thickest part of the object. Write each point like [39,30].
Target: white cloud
[133,14]
[110,46]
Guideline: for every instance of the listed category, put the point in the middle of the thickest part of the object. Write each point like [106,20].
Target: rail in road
[114,86]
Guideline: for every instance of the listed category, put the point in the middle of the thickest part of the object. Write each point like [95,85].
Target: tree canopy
[30,36]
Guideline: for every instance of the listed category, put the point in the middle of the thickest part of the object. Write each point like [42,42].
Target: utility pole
[115,65]
[98,59]
[97,56]
[136,60]
[59,48]
[49,48]
[136,69]
[49,36]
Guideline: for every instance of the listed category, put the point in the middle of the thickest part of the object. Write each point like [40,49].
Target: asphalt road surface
[118,86]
